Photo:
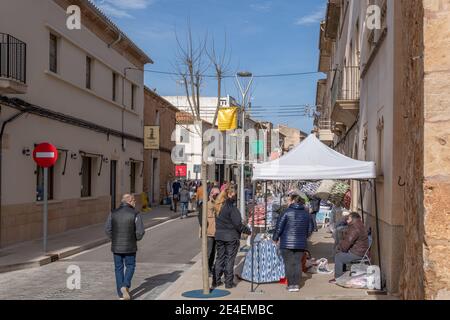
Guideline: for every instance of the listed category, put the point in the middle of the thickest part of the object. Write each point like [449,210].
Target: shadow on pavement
[153,282]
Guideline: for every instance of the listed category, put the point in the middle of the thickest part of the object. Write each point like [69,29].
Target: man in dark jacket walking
[292,232]
[125,227]
[229,228]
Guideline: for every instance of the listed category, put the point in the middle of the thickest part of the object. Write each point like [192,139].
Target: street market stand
[312,160]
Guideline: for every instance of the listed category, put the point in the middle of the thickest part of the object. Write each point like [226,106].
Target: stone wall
[436,148]
[411,122]
[425,73]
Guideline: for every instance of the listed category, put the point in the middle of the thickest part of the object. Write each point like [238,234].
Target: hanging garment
[268,265]
[338,192]
[310,188]
[324,190]
[347,200]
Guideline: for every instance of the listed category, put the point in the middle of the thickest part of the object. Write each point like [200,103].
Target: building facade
[159,170]
[82,94]
[381,101]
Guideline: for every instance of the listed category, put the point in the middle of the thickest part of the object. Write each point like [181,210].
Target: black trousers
[226,256]
[211,253]
[293,265]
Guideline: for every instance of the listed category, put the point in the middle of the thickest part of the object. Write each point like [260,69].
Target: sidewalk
[314,286]
[29,254]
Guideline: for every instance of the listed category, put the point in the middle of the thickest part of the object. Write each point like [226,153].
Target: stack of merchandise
[268,265]
[338,192]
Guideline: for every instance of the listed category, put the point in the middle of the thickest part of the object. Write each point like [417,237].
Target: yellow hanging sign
[227,118]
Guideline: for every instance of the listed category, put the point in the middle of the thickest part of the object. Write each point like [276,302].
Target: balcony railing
[13,57]
[345,85]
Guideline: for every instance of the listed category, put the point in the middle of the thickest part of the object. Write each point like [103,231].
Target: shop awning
[313,160]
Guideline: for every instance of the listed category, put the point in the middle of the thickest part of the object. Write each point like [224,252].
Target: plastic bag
[356,282]
[322,266]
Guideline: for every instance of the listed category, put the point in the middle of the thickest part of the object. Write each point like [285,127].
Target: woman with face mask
[229,228]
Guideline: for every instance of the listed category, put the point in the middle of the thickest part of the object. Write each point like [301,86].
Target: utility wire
[232,76]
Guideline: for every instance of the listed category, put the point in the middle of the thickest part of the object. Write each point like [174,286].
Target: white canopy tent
[313,160]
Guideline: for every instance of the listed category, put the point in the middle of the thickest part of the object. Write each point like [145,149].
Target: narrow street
[166,251]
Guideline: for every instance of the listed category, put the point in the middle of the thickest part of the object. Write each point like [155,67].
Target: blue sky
[265,37]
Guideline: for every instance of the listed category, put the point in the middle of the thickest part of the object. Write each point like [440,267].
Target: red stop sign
[45,155]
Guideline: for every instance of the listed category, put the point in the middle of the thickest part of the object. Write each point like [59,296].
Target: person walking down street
[353,246]
[176,187]
[315,208]
[292,232]
[211,228]
[125,228]
[229,228]
[184,201]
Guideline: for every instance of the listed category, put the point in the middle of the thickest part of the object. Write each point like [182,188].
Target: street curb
[198,259]
[59,255]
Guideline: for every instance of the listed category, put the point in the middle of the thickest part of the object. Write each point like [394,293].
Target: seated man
[353,246]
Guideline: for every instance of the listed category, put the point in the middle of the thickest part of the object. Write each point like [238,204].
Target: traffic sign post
[45,156]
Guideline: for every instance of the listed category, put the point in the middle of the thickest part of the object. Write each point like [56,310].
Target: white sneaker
[293,289]
[125,293]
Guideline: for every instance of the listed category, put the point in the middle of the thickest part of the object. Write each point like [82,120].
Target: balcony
[13,57]
[345,94]
[326,134]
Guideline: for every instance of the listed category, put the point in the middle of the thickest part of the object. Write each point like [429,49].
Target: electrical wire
[275,75]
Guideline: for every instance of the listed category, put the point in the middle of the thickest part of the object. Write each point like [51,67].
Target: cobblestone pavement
[164,254]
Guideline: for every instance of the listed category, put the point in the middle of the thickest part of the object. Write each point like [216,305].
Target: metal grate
[13,57]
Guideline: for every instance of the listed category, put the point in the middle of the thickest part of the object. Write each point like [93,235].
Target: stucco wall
[65,92]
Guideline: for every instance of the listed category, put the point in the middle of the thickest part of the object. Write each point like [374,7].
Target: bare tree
[193,61]
[220,62]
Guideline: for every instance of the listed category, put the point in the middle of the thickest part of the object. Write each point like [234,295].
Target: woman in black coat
[229,228]
[292,232]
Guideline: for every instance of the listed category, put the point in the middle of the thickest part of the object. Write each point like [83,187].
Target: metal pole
[205,264]
[244,93]
[242,182]
[45,217]
[265,210]
[253,236]
[361,199]
[378,232]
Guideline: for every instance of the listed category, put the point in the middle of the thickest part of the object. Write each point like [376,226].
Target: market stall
[312,161]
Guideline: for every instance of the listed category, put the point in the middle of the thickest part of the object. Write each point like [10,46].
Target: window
[40,183]
[133,96]
[114,86]
[53,57]
[133,177]
[88,72]
[86,177]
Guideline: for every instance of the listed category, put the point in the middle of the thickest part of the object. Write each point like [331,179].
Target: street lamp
[244,91]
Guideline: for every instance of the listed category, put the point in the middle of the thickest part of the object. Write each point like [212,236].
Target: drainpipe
[116,41]
[11,119]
